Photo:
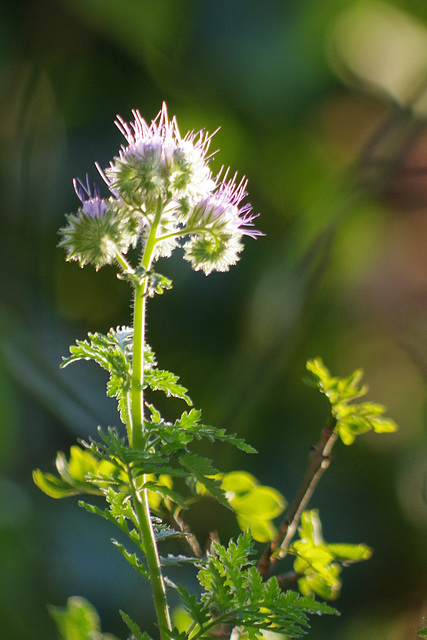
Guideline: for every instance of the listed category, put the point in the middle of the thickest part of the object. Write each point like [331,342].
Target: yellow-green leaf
[53,486]
[261,502]
[261,530]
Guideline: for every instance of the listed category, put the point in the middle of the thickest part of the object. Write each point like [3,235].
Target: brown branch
[285,580]
[180,525]
[318,462]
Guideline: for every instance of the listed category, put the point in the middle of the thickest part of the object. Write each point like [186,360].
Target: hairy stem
[137,439]
[142,512]
[123,263]
[318,462]
[137,393]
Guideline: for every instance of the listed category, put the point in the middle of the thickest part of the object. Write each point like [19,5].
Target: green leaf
[264,503]
[337,390]
[53,486]
[159,380]
[82,473]
[234,594]
[351,419]
[133,560]
[347,553]
[237,483]
[203,471]
[113,352]
[197,611]
[165,492]
[137,634]
[423,632]
[326,585]
[255,505]
[158,283]
[319,563]
[189,427]
[79,620]
[180,559]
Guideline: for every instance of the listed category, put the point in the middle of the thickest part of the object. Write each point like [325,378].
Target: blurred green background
[299,87]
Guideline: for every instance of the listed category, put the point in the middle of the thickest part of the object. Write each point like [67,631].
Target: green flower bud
[99,230]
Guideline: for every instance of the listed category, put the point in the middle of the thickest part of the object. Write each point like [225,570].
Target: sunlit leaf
[351,419]
[79,620]
[53,486]
[237,482]
[319,563]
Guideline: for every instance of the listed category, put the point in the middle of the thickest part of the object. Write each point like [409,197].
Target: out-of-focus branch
[318,461]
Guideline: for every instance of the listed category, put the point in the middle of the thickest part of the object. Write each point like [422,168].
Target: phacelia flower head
[158,162]
[216,225]
[162,191]
[99,230]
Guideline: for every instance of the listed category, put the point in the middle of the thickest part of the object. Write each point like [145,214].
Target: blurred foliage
[78,620]
[318,563]
[298,88]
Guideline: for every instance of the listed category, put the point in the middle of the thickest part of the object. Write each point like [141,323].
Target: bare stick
[318,461]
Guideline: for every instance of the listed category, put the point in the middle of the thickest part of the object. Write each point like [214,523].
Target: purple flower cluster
[161,186]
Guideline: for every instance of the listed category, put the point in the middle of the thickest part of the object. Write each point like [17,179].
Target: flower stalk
[137,440]
[143,515]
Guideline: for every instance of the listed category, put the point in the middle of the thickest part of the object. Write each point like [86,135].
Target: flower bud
[213,252]
[157,162]
[99,230]
[217,226]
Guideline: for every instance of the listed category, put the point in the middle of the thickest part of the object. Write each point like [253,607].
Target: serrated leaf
[197,611]
[180,559]
[164,532]
[204,472]
[132,559]
[160,380]
[189,418]
[113,352]
[234,594]
[133,627]
[164,492]
[158,283]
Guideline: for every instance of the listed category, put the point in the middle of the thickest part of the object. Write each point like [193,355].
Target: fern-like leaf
[137,634]
[234,594]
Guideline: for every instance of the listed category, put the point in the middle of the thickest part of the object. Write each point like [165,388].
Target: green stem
[189,231]
[137,438]
[137,393]
[225,618]
[142,512]
[123,263]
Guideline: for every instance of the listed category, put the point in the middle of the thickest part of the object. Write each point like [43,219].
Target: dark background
[298,87]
